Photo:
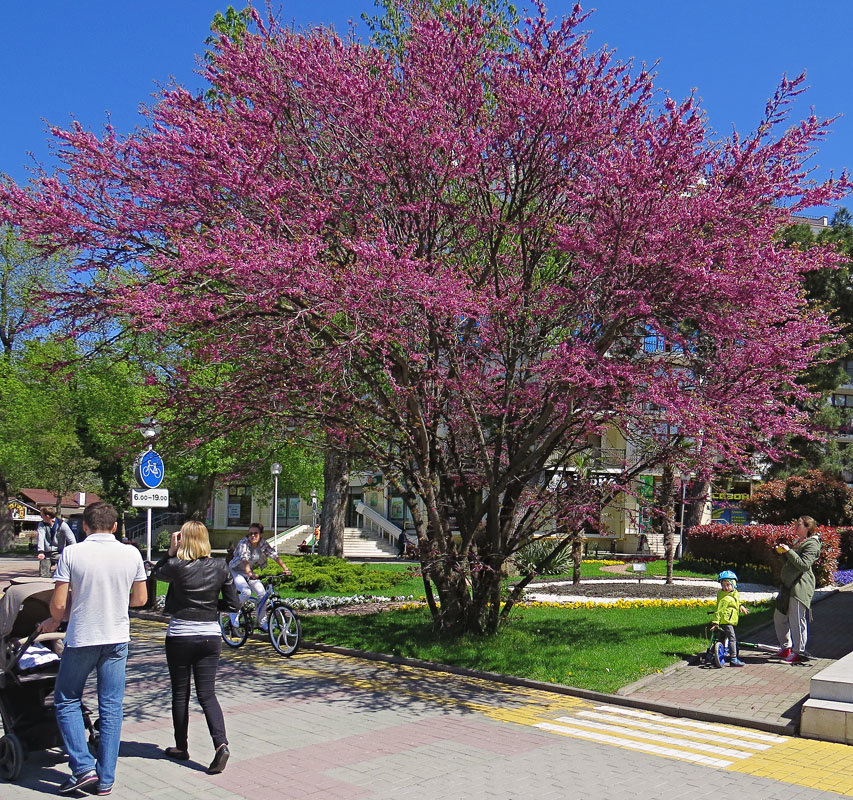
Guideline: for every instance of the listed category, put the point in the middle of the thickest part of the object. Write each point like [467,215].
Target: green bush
[164,539]
[320,574]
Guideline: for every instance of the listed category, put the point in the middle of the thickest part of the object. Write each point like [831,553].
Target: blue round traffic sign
[149,469]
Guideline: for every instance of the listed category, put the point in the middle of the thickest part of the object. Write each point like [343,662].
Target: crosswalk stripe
[633,744]
[666,728]
[656,737]
[686,723]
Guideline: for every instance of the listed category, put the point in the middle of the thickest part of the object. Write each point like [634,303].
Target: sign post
[148,470]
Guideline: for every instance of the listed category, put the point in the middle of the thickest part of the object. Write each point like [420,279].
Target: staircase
[359,544]
[289,541]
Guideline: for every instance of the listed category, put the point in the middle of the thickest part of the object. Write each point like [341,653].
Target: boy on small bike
[726,615]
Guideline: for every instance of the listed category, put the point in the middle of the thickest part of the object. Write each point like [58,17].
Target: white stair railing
[377,523]
[296,530]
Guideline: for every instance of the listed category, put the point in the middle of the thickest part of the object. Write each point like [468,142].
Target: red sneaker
[783,653]
[794,658]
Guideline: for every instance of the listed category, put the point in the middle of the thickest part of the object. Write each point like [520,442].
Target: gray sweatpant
[792,629]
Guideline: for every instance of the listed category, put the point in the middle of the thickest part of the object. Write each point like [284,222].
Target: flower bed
[843,577]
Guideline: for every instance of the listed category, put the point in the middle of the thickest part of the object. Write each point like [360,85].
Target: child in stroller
[29,662]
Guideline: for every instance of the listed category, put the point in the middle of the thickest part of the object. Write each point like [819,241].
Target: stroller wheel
[11,757]
[721,655]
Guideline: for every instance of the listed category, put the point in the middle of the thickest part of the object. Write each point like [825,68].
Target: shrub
[745,547]
[529,559]
[326,574]
[845,557]
[164,539]
[820,495]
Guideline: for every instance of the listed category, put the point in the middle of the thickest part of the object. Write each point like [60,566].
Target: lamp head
[149,428]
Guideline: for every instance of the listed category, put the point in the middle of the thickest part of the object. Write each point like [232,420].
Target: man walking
[53,535]
[103,577]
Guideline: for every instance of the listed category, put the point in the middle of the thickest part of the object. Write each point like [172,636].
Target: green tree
[830,288]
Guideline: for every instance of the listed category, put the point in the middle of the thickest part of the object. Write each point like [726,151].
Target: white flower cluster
[315,603]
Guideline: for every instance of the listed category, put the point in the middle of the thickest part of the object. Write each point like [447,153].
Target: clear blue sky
[95,57]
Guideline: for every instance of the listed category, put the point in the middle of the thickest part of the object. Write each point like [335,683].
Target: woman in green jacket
[795,595]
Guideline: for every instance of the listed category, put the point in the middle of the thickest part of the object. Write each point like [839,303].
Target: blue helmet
[727,575]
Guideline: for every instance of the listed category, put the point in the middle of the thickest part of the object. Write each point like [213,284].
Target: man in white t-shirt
[103,577]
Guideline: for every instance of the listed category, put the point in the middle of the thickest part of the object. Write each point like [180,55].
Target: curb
[687,712]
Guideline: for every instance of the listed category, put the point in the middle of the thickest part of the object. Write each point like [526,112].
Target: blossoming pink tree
[450,257]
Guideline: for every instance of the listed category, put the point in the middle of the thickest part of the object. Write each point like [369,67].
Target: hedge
[747,547]
[845,558]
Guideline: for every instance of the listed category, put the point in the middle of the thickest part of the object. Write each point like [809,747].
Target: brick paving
[767,690]
[322,725]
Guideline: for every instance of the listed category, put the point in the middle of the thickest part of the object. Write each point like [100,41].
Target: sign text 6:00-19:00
[149,498]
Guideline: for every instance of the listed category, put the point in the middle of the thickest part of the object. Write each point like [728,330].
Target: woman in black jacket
[193,640]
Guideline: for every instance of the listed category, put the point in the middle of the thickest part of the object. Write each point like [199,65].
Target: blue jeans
[77,663]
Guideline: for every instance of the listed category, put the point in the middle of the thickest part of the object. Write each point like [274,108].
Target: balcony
[604,457]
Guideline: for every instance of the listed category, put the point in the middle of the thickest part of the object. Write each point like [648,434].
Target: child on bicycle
[726,615]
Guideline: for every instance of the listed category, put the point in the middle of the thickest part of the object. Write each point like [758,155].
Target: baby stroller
[29,662]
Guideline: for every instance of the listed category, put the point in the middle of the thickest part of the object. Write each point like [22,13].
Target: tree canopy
[465,257]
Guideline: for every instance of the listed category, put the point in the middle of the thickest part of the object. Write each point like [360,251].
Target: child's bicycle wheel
[720,653]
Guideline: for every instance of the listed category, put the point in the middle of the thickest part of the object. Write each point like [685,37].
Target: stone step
[828,713]
[834,682]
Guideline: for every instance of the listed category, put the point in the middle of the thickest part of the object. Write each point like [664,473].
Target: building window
[288,510]
[842,400]
[239,506]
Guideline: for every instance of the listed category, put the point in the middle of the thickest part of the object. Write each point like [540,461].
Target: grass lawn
[600,649]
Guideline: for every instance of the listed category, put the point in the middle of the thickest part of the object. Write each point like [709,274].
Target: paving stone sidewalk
[765,691]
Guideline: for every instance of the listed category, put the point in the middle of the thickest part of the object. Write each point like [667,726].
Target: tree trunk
[197,506]
[335,499]
[7,526]
[697,497]
[667,507]
[577,556]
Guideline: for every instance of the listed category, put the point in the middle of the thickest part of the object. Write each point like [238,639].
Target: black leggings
[199,654]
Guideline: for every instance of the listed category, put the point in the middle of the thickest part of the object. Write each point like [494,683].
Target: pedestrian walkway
[323,725]
[765,692]
[334,727]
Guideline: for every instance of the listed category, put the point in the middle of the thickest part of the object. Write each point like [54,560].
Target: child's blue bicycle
[718,654]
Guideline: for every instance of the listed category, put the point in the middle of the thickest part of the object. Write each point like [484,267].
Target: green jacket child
[728,610]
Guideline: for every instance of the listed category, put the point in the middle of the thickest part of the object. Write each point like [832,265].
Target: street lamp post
[149,428]
[275,469]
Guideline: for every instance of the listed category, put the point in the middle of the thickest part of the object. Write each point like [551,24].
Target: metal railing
[296,530]
[376,522]
[169,520]
[613,457]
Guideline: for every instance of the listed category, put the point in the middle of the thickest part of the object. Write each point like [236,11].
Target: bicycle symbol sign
[149,469]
